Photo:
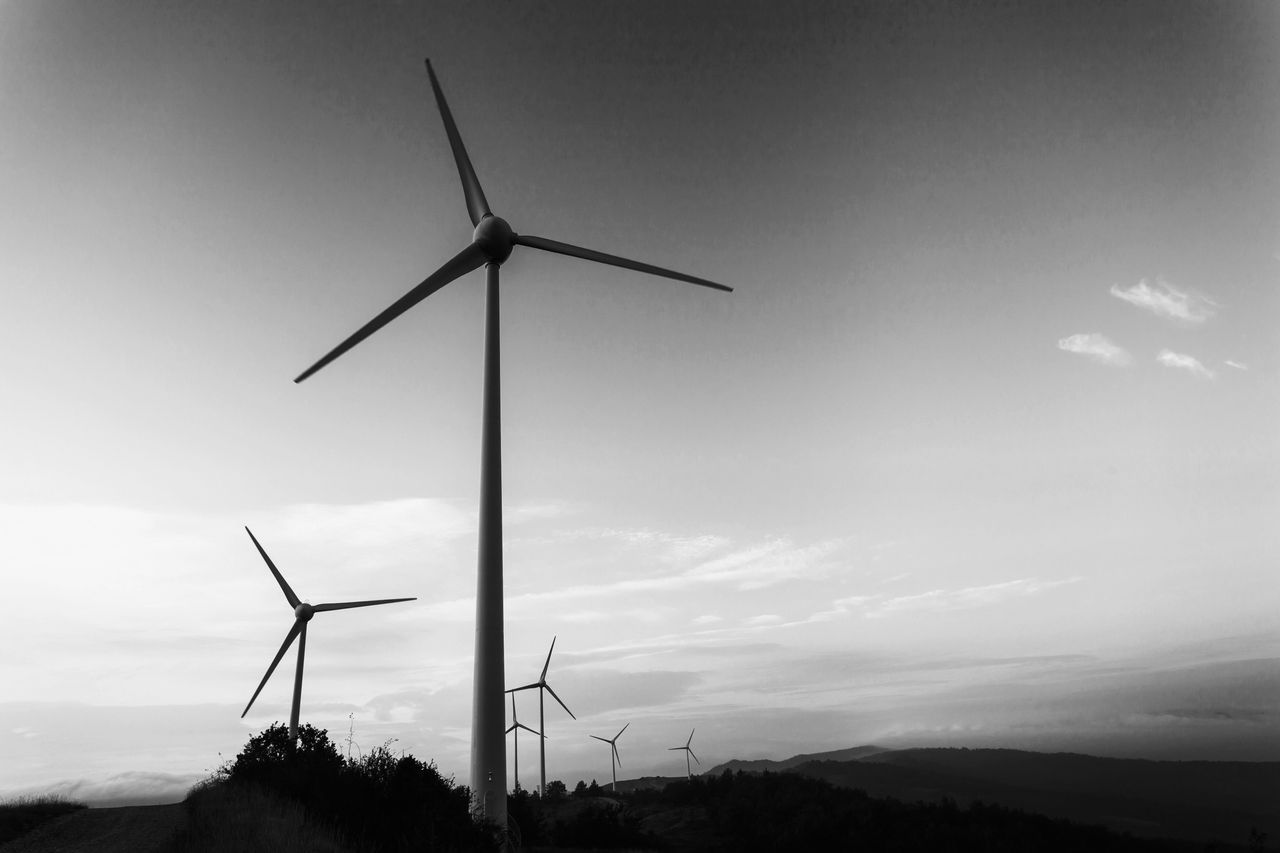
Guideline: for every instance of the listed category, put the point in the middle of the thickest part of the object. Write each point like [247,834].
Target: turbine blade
[674,748]
[543,677]
[558,699]
[284,647]
[615,754]
[459,265]
[600,257]
[477,206]
[690,740]
[526,687]
[695,757]
[511,728]
[288,593]
[619,734]
[523,726]
[601,739]
[345,605]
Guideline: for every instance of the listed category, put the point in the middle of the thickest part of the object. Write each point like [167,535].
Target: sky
[981,451]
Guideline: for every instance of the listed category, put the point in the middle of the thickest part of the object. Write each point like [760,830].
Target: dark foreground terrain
[280,799]
[1198,801]
[133,829]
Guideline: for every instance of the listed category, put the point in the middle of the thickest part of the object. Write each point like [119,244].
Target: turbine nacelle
[493,236]
[304,611]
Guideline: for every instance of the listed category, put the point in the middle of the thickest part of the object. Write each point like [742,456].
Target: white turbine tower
[615,760]
[302,613]
[688,751]
[542,686]
[516,726]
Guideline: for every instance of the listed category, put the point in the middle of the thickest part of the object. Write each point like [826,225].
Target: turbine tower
[302,613]
[688,751]
[541,685]
[516,726]
[491,244]
[615,760]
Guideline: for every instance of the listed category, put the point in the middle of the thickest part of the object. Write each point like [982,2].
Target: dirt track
[132,829]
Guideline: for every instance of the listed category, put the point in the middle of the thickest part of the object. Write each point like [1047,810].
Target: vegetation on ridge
[310,798]
[23,814]
[279,798]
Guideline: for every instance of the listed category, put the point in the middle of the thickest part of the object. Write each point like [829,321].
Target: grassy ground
[222,818]
[20,816]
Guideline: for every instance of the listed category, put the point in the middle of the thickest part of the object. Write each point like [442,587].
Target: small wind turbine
[302,613]
[542,685]
[491,244]
[615,760]
[688,751]
[516,726]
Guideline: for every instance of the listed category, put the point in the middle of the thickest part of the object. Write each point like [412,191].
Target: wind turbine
[302,613]
[542,685]
[615,760]
[688,751]
[515,726]
[491,244]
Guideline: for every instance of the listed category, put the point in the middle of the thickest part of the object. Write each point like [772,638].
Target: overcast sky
[981,451]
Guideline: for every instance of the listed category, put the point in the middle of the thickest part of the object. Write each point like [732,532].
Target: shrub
[378,802]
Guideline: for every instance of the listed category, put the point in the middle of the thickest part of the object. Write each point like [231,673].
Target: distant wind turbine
[688,751]
[302,613]
[491,244]
[615,760]
[541,685]
[516,726]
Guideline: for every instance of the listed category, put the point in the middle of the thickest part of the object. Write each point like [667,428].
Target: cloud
[938,600]
[1096,347]
[129,787]
[1173,359]
[1237,365]
[1165,300]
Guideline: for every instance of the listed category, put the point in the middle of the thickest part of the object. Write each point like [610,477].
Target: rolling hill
[1198,801]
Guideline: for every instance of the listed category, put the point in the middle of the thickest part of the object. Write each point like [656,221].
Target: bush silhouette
[380,801]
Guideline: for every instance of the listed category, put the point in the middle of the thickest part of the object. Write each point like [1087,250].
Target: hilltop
[1188,800]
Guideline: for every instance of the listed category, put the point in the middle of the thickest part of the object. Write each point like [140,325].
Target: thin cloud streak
[939,600]
[1096,347]
[1236,364]
[1165,300]
[1189,363]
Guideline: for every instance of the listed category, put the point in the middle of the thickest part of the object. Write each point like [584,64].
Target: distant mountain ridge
[1198,801]
[854,753]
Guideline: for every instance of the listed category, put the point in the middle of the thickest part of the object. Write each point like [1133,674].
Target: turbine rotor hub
[495,238]
[304,611]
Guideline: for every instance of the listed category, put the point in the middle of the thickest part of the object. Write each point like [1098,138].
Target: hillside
[1191,800]
[855,753]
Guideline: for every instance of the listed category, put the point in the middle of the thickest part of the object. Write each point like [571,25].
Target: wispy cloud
[1165,300]
[1170,358]
[938,600]
[1237,365]
[1097,347]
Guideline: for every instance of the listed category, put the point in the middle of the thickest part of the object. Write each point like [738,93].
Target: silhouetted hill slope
[760,765]
[1193,800]
[746,812]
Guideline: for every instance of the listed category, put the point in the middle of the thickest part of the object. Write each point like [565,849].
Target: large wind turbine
[491,244]
[302,613]
[516,726]
[688,751]
[615,760]
[541,685]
